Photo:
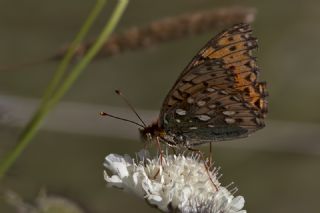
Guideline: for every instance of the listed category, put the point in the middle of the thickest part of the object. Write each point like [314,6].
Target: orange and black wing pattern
[218,96]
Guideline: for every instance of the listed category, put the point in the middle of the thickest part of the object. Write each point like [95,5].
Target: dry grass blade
[167,29]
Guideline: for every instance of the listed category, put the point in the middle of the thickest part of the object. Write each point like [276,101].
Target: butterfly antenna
[131,107]
[123,119]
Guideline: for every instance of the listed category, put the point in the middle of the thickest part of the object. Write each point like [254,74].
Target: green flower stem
[108,29]
[36,121]
[70,53]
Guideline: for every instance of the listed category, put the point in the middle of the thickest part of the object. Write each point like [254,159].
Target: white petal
[237,203]
[155,199]
[114,180]
[116,164]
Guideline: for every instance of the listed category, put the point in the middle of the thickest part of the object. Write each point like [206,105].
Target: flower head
[180,183]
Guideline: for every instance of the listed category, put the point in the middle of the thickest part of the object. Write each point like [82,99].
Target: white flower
[43,204]
[182,183]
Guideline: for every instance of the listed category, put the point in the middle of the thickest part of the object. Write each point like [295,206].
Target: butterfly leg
[160,150]
[173,150]
[210,155]
[205,165]
[161,157]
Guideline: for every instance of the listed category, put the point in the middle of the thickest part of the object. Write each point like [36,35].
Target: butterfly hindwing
[218,96]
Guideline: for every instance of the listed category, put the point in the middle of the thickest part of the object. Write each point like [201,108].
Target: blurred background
[277,169]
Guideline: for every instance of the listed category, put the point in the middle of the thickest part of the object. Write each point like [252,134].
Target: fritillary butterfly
[217,97]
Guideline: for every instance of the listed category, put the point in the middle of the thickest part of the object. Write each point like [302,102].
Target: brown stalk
[167,29]
[164,30]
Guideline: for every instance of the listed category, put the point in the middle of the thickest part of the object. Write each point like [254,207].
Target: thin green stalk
[105,34]
[35,123]
[71,50]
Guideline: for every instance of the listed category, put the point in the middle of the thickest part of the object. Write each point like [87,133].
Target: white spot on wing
[203,117]
[190,100]
[201,103]
[236,98]
[223,92]
[181,112]
[193,127]
[178,120]
[210,89]
[230,120]
[258,121]
[247,105]
[229,113]
[249,43]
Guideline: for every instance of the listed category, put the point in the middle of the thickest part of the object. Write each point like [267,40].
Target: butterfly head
[149,133]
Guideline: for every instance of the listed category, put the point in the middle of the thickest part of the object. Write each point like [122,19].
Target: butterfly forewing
[224,43]
[218,96]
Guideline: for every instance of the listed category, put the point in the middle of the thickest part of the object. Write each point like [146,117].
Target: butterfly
[217,97]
